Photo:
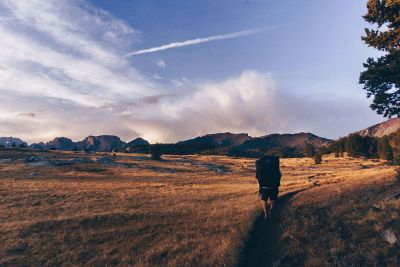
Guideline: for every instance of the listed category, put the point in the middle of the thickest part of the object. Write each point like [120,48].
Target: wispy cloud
[196,41]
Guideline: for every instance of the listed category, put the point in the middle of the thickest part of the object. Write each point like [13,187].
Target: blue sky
[63,70]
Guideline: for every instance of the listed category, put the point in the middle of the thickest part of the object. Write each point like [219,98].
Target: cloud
[66,50]
[195,41]
[28,115]
[250,102]
[161,64]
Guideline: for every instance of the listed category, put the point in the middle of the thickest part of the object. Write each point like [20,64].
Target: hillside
[293,144]
[219,139]
[385,128]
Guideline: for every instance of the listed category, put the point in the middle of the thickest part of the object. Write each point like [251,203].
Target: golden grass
[182,211]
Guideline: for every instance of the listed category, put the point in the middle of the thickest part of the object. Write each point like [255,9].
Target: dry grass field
[64,208]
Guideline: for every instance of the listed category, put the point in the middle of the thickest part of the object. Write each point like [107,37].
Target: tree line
[386,147]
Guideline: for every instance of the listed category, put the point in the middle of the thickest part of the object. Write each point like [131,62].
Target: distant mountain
[102,143]
[385,128]
[12,141]
[137,142]
[138,145]
[40,146]
[218,139]
[276,144]
[61,143]
[215,144]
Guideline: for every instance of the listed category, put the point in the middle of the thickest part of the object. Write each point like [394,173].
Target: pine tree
[381,79]
[309,150]
[385,151]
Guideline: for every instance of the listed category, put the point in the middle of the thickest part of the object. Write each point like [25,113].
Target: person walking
[269,177]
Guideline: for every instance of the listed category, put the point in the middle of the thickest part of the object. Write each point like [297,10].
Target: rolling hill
[379,130]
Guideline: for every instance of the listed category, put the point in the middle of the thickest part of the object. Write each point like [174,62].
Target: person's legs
[272,205]
[265,208]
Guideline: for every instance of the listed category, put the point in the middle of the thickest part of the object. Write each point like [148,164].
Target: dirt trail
[262,248]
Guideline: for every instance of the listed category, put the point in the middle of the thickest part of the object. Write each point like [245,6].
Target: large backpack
[267,171]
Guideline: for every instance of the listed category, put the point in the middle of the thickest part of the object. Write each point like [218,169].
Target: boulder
[389,236]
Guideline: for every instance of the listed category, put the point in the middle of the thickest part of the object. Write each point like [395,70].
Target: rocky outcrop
[61,143]
[102,143]
[12,142]
[382,129]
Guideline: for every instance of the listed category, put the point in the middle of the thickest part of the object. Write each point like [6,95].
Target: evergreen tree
[309,150]
[384,149]
[362,146]
[381,79]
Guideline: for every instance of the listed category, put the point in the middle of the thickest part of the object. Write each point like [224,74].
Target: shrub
[318,158]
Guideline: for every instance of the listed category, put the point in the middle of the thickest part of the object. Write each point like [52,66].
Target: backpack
[267,171]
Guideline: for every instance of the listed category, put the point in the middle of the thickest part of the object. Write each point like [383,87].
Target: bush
[318,158]
[156,152]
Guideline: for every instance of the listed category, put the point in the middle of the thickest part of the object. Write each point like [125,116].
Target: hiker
[269,176]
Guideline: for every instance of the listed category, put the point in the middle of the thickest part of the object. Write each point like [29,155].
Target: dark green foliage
[309,150]
[13,145]
[318,158]
[290,152]
[156,152]
[381,79]
[361,146]
[22,145]
[385,151]
[338,147]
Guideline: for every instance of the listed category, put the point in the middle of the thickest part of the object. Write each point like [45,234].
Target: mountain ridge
[381,129]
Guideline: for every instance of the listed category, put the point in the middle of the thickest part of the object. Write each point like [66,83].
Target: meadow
[65,208]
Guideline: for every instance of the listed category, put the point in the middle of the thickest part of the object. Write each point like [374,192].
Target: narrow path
[262,248]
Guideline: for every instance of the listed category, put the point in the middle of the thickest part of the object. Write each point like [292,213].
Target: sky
[173,70]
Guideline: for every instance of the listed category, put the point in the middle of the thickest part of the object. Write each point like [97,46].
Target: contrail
[195,41]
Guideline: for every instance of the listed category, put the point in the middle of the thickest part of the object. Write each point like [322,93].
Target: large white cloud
[62,63]
[250,102]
